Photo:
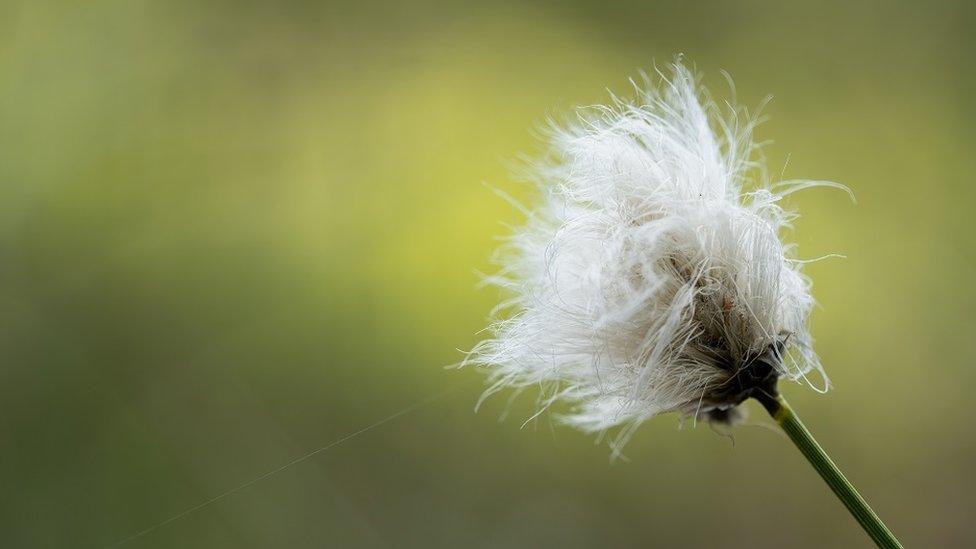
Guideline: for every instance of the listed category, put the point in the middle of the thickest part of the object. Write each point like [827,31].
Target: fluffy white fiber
[651,271]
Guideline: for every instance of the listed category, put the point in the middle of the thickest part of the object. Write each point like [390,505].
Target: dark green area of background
[231,233]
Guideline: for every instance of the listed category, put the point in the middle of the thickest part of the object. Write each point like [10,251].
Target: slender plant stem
[798,433]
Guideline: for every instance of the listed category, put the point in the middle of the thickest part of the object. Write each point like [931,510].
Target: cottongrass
[652,277]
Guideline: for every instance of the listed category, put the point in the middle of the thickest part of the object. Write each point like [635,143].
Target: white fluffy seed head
[651,273]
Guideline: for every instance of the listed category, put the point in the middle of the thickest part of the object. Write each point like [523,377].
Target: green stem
[798,433]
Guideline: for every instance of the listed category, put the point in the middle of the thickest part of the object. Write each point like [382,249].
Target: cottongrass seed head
[651,277]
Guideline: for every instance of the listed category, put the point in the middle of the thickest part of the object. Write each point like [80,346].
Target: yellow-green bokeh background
[233,232]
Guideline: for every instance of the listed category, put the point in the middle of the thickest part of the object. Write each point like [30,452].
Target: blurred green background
[233,232]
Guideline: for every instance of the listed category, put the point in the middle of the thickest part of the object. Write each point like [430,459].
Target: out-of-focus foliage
[231,233]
